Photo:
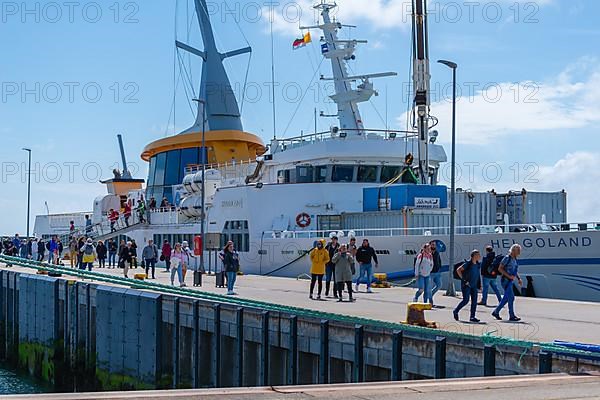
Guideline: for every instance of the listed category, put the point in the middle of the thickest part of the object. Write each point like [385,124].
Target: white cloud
[499,110]
[378,14]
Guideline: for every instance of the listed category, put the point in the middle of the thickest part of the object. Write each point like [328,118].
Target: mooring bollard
[217,344]
[545,362]
[293,352]
[440,357]
[265,348]
[397,348]
[239,320]
[489,360]
[324,353]
[359,353]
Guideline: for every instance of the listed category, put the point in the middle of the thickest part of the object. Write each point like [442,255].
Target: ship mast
[222,110]
[339,52]
[421,83]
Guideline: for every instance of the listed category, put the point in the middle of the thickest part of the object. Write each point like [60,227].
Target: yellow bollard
[415,315]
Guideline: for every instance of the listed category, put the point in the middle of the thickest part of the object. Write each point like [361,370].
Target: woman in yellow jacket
[319,257]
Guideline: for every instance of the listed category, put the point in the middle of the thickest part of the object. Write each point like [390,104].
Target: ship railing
[234,172]
[434,231]
[365,134]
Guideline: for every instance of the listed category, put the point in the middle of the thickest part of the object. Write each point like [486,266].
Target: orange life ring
[303,220]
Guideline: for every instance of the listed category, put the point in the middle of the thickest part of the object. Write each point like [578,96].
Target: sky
[75,74]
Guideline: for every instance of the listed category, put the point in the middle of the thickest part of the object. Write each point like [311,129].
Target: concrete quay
[554,386]
[89,335]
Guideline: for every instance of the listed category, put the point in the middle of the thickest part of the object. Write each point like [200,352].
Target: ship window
[172,169]
[188,157]
[304,174]
[283,176]
[321,173]
[342,173]
[367,173]
[238,233]
[389,172]
[151,171]
[329,222]
[161,163]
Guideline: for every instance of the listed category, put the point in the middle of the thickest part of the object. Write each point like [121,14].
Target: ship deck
[543,320]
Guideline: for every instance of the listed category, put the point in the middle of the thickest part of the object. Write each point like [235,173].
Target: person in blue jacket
[509,270]
[469,274]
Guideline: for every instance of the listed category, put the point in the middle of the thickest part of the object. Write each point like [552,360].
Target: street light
[451,291]
[204,154]
[28,188]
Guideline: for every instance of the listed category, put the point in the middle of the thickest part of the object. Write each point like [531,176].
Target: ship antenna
[271,18]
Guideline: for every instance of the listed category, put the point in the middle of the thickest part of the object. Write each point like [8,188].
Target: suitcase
[220,279]
[197,278]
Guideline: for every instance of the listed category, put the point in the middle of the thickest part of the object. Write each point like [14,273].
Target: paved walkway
[540,387]
[543,319]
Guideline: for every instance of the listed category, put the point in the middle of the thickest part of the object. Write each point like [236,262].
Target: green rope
[487,338]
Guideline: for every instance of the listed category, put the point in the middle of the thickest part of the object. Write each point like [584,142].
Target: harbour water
[13,383]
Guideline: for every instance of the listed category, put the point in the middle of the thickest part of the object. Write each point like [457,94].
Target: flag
[303,41]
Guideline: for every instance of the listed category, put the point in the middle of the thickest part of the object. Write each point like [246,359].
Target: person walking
[189,258]
[141,211]
[101,251]
[343,261]
[34,249]
[88,226]
[113,218]
[112,253]
[134,253]
[177,260]
[166,254]
[332,248]
[41,250]
[52,247]
[122,246]
[150,255]
[423,267]
[436,270]
[88,255]
[127,213]
[509,269]
[125,255]
[73,251]
[365,255]
[80,244]
[23,251]
[489,275]
[319,257]
[231,264]
[469,274]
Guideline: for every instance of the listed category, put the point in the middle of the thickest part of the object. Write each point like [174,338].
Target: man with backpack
[489,274]
[436,271]
[89,255]
[469,275]
[509,270]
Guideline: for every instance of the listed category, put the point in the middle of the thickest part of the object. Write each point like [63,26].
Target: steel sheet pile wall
[127,338]
[131,339]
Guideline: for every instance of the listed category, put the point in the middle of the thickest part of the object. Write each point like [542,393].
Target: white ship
[275,201]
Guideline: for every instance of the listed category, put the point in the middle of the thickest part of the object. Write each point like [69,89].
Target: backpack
[492,269]
[47,245]
[456,267]
[89,250]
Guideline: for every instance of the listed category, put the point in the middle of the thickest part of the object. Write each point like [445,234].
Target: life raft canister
[303,220]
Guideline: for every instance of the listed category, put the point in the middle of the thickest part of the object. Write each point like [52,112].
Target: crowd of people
[337,264]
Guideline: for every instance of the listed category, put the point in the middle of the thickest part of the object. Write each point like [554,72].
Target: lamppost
[451,291]
[204,155]
[28,188]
